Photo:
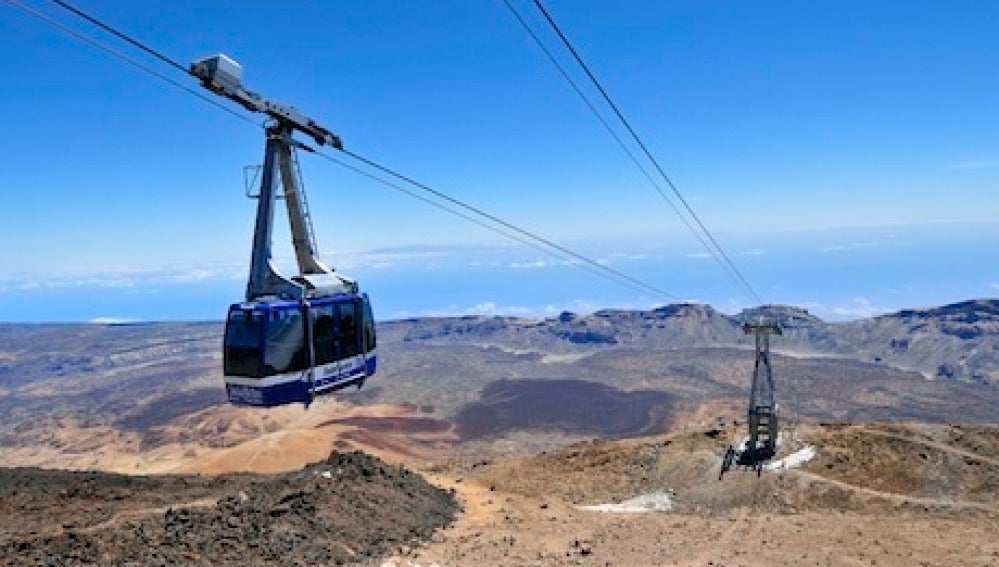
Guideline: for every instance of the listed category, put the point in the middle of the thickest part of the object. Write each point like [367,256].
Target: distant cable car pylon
[761,442]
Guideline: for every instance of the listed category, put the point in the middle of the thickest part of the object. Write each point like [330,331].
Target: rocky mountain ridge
[959,341]
[141,382]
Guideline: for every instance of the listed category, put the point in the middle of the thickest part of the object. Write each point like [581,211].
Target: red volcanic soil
[392,424]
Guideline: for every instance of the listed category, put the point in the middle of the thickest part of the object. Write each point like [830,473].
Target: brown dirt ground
[225,439]
[875,495]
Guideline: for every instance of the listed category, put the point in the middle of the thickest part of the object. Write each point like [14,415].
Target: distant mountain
[953,342]
[957,341]
[66,391]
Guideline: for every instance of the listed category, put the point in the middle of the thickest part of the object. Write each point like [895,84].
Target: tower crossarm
[224,76]
[762,325]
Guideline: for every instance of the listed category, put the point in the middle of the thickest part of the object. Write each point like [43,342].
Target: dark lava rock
[348,508]
[586,337]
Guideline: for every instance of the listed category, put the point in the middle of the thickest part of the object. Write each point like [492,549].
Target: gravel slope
[350,508]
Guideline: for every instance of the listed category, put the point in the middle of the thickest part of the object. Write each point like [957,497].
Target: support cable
[624,147]
[120,35]
[506,224]
[509,230]
[522,240]
[648,154]
[131,61]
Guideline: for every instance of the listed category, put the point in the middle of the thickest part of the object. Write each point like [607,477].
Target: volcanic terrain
[591,440]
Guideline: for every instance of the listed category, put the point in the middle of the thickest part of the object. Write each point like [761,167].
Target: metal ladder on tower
[306,215]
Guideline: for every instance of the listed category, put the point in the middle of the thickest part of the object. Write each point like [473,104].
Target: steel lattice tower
[762,412]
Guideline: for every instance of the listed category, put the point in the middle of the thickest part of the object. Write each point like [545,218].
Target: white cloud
[111,321]
[754,252]
[856,308]
[994,285]
[484,308]
[381,258]
[634,257]
[92,281]
[194,275]
[849,246]
[117,278]
[536,264]
[862,308]
[489,308]
[699,255]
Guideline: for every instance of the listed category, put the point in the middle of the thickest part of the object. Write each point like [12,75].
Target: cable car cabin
[279,352]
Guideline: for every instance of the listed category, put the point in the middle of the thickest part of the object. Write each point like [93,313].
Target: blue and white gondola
[293,338]
[280,352]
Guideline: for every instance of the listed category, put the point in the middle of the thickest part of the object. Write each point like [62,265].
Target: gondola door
[325,342]
[347,338]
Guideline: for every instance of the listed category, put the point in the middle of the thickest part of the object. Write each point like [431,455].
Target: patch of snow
[742,445]
[506,349]
[809,354]
[563,358]
[652,502]
[794,460]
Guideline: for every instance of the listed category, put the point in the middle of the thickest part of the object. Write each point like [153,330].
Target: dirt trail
[502,529]
[896,498]
[863,500]
[523,510]
[934,444]
[144,513]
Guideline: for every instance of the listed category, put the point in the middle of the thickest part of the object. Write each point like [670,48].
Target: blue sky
[844,153]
